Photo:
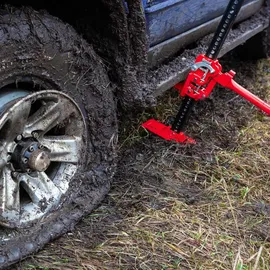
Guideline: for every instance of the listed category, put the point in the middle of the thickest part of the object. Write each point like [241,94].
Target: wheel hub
[30,156]
[39,161]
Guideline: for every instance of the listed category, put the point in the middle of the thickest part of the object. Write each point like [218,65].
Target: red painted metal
[200,82]
[166,133]
[226,80]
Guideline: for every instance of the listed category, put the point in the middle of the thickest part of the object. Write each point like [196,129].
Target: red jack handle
[226,80]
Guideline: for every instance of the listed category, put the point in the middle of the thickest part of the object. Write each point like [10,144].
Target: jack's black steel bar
[224,28]
[182,115]
[220,35]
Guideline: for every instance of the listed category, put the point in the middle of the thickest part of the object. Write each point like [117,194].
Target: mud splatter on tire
[121,39]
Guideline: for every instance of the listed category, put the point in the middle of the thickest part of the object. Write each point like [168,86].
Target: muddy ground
[183,207]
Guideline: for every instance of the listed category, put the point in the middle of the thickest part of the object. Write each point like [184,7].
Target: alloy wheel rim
[41,144]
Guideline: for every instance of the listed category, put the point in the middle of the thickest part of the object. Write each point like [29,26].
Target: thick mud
[38,49]
[121,40]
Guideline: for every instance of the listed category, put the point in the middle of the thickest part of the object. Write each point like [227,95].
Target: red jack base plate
[166,133]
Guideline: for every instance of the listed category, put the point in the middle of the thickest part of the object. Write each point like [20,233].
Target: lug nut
[31,148]
[28,170]
[35,135]
[19,138]
[25,160]
[41,146]
[8,157]
[14,174]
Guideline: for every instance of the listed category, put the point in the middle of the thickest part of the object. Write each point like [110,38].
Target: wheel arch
[117,31]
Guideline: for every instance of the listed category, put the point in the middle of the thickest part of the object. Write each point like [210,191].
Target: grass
[183,207]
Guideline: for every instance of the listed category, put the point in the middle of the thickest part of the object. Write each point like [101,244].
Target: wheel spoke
[41,189]
[9,193]
[4,154]
[63,148]
[48,116]
[3,158]
[14,122]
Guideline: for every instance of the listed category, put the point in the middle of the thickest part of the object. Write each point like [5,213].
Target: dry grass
[181,207]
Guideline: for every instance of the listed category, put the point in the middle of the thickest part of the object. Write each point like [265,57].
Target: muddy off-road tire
[39,52]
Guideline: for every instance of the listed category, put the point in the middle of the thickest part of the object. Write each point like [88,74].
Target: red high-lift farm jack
[201,80]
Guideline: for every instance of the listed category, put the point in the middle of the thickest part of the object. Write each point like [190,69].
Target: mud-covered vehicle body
[65,71]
